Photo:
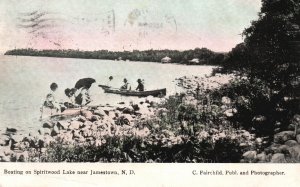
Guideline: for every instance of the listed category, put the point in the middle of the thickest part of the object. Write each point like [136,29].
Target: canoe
[68,113]
[154,93]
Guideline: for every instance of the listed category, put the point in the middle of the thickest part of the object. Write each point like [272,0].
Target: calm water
[24,83]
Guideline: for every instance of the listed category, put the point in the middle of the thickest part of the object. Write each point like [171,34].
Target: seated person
[126,85]
[70,93]
[82,96]
[140,86]
[50,101]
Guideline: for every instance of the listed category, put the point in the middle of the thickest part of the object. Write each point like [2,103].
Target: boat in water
[155,93]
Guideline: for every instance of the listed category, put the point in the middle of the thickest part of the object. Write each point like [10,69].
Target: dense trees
[204,55]
[266,52]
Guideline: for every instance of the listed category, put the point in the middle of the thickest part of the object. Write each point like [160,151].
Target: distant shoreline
[197,56]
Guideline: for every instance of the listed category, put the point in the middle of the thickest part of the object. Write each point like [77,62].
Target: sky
[125,24]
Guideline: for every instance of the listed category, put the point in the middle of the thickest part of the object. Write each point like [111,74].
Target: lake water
[25,81]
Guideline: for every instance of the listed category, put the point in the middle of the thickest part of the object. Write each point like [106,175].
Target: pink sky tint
[124,25]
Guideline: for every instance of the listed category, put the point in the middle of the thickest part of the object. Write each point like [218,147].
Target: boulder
[291,143]
[112,115]
[259,119]
[48,124]
[17,138]
[284,136]
[278,158]
[87,114]
[81,119]
[230,112]
[241,100]
[100,112]
[226,100]
[298,138]
[75,125]
[87,124]
[95,118]
[283,149]
[135,107]
[258,141]
[291,127]
[296,120]
[11,130]
[128,110]
[262,157]
[250,155]
[295,152]
[55,131]
[45,131]
[62,125]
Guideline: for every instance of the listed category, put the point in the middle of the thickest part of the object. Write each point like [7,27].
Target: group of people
[76,98]
[126,85]
[79,96]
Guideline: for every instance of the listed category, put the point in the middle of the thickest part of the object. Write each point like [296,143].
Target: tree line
[204,55]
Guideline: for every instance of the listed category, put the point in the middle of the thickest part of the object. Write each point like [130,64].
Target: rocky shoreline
[90,127]
[93,126]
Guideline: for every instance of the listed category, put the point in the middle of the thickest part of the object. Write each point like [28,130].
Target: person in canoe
[126,85]
[140,86]
[50,101]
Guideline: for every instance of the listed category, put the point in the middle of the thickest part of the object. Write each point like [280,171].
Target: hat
[125,80]
[139,80]
[111,77]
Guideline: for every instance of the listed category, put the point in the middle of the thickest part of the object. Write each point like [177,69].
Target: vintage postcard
[149,92]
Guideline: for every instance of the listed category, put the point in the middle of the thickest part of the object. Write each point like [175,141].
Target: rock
[278,158]
[230,112]
[95,118]
[282,149]
[295,153]
[259,119]
[63,125]
[284,136]
[135,107]
[45,131]
[128,110]
[273,148]
[291,143]
[87,114]
[47,124]
[241,100]
[11,130]
[81,119]
[100,112]
[112,115]
[250,155]
[226,100]
[291,127]
[261,157]
[258,141]
[87,124]
[75,125]
[296,120]
[55,131]
[17,138]
[298,138]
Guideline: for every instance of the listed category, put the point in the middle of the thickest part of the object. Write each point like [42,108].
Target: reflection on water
[25,82]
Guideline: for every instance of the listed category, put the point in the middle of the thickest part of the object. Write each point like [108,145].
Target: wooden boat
[154,93]
[68,113]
